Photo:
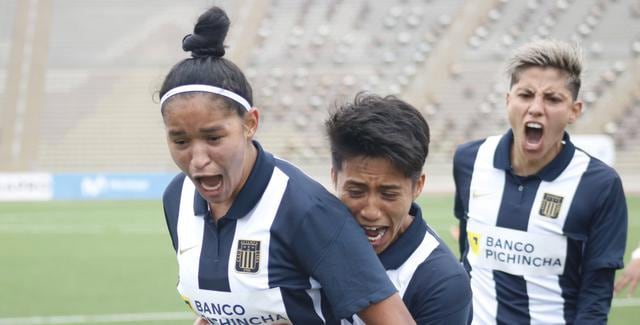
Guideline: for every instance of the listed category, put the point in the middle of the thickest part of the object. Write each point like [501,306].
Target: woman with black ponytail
[257,241]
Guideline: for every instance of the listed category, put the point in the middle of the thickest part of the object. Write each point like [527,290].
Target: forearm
[594,300]
[389,311]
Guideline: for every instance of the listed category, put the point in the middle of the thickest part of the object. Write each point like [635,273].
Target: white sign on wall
[26,186]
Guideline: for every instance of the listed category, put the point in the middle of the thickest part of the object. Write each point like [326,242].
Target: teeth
[534,125]
[380,232]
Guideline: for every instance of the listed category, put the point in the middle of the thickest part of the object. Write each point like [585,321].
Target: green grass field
[112,262]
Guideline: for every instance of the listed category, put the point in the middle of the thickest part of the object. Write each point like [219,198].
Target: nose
[199,156]
[537,106]
[370,211]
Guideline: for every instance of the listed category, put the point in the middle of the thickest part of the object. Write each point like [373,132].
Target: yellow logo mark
[188,302]
[474,242]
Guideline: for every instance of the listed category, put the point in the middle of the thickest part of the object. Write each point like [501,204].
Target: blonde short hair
[548,53]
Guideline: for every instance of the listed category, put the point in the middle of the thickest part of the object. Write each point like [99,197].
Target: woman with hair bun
[257,241]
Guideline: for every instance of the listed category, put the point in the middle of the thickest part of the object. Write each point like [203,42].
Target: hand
[201,321]
[630,276]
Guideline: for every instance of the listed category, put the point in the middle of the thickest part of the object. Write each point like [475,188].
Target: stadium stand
[79,87]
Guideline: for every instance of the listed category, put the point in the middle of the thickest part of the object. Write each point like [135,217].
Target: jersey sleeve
[338,255]
[171,206]
[594,301]
[463,161]
[607,238]
[440,293]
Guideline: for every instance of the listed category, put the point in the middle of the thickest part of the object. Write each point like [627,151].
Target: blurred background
[80,127]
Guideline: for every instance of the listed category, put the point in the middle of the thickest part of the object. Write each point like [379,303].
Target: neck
[523,166]
[220,209]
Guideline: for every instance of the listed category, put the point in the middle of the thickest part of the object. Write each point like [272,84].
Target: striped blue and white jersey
[540,249]
[287,251]
[432,283]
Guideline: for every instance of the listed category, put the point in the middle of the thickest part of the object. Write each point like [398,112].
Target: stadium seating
[100,112]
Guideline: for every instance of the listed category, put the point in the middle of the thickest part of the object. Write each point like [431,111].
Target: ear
[507,98]
[334,178]
[250,122]
[576,111]
[417,188]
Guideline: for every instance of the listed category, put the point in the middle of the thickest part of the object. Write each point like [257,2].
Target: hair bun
[208,34]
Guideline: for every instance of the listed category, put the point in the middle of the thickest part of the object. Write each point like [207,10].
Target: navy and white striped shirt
[287,251]
[542,248]
[433,285]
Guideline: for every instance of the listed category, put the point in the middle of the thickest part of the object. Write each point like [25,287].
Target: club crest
[248,256]
[550,206]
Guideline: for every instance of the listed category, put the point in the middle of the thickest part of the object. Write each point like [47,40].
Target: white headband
[209,89]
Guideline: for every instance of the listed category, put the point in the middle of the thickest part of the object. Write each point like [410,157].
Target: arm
[388,311]
[630,275]
[201,321]
[595,296]
[603,254]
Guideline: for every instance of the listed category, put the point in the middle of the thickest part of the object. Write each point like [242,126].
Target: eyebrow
[363,184]
[174,133]
[213,129]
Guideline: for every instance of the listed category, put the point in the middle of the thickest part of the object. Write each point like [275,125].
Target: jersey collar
[400,250]
[250,193]
[502,158]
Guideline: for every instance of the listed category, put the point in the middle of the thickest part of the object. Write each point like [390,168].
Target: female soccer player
[257,241]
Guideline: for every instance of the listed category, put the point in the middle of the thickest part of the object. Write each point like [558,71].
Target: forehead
[371,168]
[542,77]
[186,102]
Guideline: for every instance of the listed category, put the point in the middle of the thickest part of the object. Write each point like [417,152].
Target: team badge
[474,242]
[248,256]
[550,206]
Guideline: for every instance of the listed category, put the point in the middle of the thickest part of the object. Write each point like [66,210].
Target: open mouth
[210,183]
[533,132]
[374,233]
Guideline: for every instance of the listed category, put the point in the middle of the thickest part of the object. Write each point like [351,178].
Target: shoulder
[598,178]
[171,205]
[466,153]
[171,196]
[307,196]
[174,188]
[440,269]
[307,208]
[440,288]
[598,171]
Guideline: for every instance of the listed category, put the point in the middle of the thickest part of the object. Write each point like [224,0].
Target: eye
[179,142]
[554,99]
[525,95]
[390,195]
[354,193]
[214,138]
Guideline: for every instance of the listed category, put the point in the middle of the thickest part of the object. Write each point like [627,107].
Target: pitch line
[147,317]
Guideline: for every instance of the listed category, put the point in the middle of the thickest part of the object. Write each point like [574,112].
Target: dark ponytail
[207,65]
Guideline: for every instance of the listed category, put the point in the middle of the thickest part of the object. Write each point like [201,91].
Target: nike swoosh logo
[184,250]
[477,194]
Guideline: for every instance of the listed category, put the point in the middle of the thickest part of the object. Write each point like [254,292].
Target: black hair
[379,127]
[207,65]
